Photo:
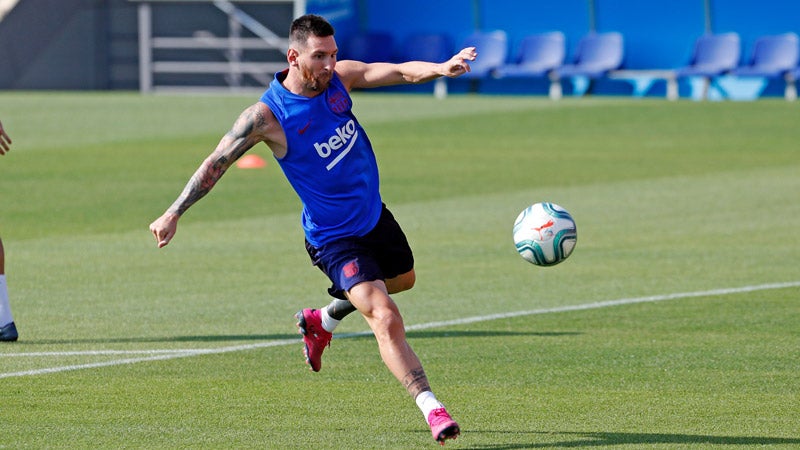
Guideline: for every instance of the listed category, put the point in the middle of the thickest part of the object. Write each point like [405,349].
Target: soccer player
[8,330]
[306,120]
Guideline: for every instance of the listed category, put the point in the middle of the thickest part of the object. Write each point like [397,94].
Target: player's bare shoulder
[256,120]
[350,72]
[257,123]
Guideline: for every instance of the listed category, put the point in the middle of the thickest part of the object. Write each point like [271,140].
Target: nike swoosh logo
[303,130]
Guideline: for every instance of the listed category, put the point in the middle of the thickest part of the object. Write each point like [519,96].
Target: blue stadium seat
[596,55]
[713,55]
[539,56]
[434,47]
[774,57]
[369,47]
[492,48]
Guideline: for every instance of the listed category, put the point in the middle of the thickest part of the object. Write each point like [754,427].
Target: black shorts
[381,254]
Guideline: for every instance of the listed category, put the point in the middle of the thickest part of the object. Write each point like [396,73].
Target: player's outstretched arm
[356,74]
[245,133]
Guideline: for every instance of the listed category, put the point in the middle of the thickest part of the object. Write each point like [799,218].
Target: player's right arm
[255,124]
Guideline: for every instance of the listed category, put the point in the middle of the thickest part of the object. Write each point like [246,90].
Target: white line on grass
[106,352]
[154,355]
[160,355]
[605,304]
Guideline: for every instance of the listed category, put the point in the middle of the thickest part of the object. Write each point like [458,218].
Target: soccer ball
[545,234]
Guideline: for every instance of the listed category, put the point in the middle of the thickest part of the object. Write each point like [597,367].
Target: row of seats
[544,54]
[596,55]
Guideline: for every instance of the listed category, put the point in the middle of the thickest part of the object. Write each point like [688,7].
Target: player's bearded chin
[314,83]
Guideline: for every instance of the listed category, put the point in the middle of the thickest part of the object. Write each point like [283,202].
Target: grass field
[675,323]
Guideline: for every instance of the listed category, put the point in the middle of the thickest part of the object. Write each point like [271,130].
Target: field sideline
[673,325]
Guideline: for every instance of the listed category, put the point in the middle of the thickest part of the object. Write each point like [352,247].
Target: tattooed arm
[255,124]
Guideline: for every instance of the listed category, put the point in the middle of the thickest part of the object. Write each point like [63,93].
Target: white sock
[328,322]
[427,402]
[5,308]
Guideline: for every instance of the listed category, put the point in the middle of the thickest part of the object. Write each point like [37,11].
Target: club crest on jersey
[341,141]
[338,102]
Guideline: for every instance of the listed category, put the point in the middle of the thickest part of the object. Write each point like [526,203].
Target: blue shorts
[381,254]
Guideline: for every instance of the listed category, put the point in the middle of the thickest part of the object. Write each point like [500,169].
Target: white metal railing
[232,46]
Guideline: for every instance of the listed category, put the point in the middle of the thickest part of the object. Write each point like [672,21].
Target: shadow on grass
[636,440]
[277,337]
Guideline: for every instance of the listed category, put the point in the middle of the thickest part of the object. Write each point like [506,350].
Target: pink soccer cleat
[443,426]
[315,338]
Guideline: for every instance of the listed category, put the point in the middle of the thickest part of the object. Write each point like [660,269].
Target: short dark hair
[309,25]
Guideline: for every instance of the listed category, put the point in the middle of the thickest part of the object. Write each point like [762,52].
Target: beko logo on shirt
[343,140]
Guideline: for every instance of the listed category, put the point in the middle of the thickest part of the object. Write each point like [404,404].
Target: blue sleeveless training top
[329,161]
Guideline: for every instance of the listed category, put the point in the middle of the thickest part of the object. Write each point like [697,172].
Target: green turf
[683,197]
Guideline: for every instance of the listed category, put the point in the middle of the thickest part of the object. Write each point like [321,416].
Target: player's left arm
[356,74]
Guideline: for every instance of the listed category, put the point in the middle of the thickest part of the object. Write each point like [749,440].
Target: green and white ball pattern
[545,234]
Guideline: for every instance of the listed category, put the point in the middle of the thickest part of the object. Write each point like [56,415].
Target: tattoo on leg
[416,382]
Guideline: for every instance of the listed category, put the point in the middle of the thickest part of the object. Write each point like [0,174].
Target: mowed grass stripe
[161,355]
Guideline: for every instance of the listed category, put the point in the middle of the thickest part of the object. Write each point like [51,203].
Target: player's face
[316,62]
